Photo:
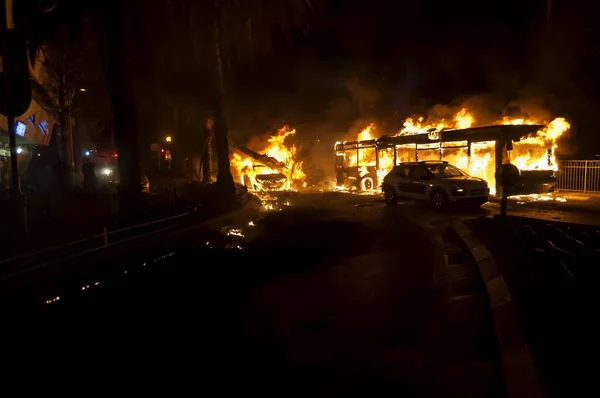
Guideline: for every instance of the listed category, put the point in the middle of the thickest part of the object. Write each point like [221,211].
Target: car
[437,182]
[265,179]
[270,182]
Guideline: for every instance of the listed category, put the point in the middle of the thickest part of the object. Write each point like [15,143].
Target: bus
[480,151]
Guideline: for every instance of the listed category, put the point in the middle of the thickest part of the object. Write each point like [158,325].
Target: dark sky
[385,59]
[402,57]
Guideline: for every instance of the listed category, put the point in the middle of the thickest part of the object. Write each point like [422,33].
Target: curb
[520,376]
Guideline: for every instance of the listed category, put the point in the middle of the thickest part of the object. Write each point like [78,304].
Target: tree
[58,69]
[172,52]
[224,176]
[117,68]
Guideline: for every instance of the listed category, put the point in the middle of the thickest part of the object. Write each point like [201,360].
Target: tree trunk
[206,157]
[125,118]
[224,177]
[64,122]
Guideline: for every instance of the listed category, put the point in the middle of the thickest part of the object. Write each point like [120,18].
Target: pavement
[551,272]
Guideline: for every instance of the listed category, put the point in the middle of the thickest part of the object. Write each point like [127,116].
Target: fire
[290,175]
[531,153]
[366,161]
[463,119]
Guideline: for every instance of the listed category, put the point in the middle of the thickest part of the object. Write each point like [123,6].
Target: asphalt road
[325,291]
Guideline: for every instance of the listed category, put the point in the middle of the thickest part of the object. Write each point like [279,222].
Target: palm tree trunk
[125,118]
[206,156]
[224,177]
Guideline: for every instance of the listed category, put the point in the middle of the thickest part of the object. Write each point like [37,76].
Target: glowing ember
[262,175]
[522,199]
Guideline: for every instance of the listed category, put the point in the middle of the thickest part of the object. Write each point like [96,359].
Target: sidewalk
[549,290]
[66,219]
[580,196]
[79,216]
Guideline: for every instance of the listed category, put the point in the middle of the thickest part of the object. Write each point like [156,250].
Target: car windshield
[445,170]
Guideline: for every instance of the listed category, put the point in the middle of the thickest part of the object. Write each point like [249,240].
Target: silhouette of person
[89,176]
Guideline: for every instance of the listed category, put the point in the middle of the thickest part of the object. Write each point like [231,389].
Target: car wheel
[438,200]
[389,196]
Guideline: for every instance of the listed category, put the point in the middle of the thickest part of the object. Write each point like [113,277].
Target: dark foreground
[551,269]
[336,293]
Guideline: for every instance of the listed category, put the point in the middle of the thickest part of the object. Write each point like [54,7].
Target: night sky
[382,60]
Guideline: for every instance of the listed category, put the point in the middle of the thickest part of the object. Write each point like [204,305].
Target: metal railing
[34,260]
[579,176]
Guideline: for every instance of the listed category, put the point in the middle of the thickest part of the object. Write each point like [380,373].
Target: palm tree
[58,70]
[246,28]
[118,73]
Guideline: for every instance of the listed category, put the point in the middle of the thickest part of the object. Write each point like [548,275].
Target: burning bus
[361,165]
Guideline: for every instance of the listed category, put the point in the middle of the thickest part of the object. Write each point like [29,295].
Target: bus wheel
[367,184]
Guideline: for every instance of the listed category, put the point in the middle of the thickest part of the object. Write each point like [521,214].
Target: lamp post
[168,139]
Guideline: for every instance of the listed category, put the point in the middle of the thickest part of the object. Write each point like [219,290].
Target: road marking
[462,297]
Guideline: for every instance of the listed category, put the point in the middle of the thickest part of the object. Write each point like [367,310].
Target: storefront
[33,128]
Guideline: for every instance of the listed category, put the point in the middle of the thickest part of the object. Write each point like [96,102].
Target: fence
[579,175]
[52,255]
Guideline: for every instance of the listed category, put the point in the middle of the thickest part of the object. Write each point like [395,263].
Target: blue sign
[20,129]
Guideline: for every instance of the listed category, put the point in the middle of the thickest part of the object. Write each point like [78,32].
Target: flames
[246,169]
[531,153]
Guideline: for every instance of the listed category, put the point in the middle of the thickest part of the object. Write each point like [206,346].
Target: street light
[168,138]
[82,89]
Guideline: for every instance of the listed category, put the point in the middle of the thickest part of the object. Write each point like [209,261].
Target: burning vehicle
[361,165]
[265,179]
[275,169]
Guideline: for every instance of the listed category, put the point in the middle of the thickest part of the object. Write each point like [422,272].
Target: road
[326,291]
[335,292]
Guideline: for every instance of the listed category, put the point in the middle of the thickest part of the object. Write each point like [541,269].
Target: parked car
[436,182]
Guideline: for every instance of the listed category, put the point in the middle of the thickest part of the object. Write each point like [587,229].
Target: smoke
[530,109]
[349,112]
[365,97]
[488,109]
[485,108]
[359,125]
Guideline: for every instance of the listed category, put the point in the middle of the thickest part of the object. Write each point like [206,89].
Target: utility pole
[7,28]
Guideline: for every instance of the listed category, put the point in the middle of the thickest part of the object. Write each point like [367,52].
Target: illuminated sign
[20,129]
[433,135]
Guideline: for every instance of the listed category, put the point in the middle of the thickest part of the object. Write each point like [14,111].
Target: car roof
[423,162]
